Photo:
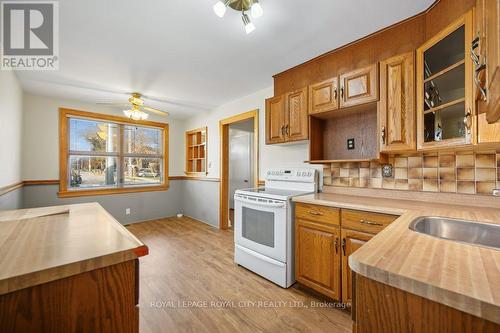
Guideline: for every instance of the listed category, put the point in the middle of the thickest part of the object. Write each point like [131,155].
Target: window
[102,154]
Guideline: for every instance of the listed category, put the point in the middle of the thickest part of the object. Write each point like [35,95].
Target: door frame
[224,160]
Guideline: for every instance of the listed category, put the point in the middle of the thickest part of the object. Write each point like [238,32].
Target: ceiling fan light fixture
[135,114]
[220,8]
[249,26]
[257,10]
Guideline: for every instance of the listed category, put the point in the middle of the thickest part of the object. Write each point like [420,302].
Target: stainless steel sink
[482,234]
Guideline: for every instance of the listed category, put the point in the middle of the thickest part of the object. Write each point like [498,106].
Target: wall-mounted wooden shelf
[339,161]
[196,151]
[330,131]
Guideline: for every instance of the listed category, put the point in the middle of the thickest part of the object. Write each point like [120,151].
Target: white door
[240,162]
[261,225]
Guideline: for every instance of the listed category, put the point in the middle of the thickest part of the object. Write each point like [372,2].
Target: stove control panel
[304,175]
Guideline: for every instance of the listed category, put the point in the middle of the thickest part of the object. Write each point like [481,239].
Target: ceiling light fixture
[249,26]
[242,6]
[220,8]
[257,10]
[135,113]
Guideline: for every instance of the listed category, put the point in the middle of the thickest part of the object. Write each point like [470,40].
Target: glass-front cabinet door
[445,111]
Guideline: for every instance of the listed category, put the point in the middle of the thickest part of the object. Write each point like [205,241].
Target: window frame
[65,192]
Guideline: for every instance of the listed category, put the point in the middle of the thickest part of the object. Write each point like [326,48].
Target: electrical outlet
[387,171]
[350,144]
[127,211]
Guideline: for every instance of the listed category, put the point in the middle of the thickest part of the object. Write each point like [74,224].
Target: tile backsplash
[466,173]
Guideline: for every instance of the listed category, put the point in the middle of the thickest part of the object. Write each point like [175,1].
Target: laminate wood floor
[189,283]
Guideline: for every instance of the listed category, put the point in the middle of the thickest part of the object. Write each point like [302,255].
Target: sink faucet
[496,192]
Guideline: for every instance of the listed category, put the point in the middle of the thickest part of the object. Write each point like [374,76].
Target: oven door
[260,225]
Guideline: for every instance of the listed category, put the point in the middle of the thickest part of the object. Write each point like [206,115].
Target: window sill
[110,191]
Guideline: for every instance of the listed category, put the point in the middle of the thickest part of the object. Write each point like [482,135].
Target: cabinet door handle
[383,134]
[371,223]
[474,56]
[282,130]
[342,93]
[468,120]
[335,94]
[478,82]
[315,212]
[336,245]
[343,246]
[287,132]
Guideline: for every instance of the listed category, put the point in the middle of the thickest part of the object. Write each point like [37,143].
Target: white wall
[40,153]
[10,128]
[290,155]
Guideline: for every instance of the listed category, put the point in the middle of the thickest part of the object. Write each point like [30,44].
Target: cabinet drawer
[366,221]
[317,213]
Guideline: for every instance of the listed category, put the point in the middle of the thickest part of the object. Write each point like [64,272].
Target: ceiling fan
[136,110]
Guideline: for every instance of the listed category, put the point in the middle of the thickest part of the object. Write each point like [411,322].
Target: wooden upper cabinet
[275,120]
[491,14]
[397,104]
[323,96]
[351,241]
[286,117]
[359,86]
[317,257]
[296,118]
[445,88]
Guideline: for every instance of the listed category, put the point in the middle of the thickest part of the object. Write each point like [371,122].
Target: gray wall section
[143,205]
[12,199]
[201,201]
[193,198]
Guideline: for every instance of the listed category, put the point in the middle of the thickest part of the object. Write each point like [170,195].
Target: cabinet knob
[336,244]
[343,246]
[383,134]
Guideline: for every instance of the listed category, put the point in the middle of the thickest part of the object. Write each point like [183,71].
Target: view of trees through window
[103,154]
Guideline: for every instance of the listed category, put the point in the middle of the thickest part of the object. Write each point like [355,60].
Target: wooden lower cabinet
[317,257]
[325,237]
[99,301]
[351,241]
[380,308]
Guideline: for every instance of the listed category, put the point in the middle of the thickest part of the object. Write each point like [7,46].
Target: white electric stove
[264,228]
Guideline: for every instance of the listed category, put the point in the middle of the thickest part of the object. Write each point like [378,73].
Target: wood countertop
[40,245]
[465,277]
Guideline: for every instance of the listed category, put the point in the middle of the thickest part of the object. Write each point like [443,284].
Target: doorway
[239,160]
